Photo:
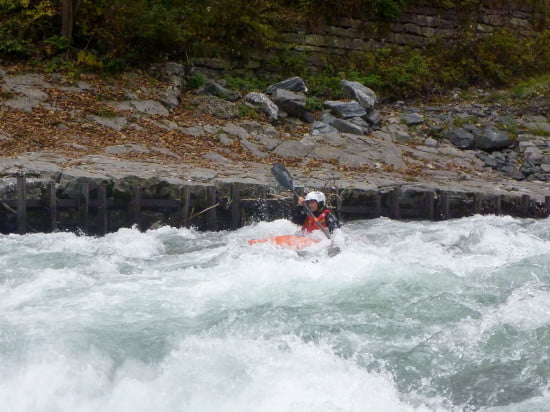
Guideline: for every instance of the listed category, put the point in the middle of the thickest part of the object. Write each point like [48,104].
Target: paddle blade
[282,176]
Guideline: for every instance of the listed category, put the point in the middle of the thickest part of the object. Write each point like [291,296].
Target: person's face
[313,205]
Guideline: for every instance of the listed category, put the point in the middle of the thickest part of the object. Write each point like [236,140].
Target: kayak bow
[287,241]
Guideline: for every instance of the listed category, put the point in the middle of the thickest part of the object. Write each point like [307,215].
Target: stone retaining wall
[419,26]
[97,207]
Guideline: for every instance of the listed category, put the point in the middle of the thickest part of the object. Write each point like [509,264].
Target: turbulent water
[423,316]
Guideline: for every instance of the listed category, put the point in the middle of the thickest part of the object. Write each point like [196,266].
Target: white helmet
[319,197]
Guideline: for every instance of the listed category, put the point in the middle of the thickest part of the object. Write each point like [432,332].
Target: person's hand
[301,201]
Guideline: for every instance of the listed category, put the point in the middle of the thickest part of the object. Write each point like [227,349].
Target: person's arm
[332,221]
[299,215]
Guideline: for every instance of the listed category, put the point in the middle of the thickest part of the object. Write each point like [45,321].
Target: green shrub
[247,83]
[314,104]
[196,81]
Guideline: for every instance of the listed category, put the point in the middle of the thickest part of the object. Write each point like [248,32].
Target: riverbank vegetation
[112,35]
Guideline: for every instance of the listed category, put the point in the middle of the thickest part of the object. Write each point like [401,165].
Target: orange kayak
[287,241]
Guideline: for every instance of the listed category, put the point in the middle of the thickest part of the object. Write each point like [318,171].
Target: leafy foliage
[108,35]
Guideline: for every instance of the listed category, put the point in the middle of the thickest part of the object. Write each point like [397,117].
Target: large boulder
[263,103]
[292,103]
[294,84]
[461,138]
[356,91]
[493,139]
[345,110]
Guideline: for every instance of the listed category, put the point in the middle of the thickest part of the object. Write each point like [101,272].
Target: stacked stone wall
[418,26]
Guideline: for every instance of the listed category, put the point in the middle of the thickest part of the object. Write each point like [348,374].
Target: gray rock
[534,154]
[218,90]
[282,95]
[171,96]
[492,139]
[429,142]
[174,69]
[345,126]
[267,141]
[327,117]
[253,127]
[294,84]
[235,130]
[216,158]
[355,90]
[361,123]
[398,133]
[374,118]
[150,107]
[294,104]
[412,119]
[460,138]
[538,124]
[263,103]
[165,152]
[293,149]
[225,139]
[27,98]
[345,109]
[4,137]
[195,131]
[117,123]
[490,161]
[320,127]
[126,149]
[252,148]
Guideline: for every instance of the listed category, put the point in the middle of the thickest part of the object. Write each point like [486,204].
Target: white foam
[202,374]
[226,322]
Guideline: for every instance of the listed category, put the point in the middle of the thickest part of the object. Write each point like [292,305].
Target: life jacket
[311,222]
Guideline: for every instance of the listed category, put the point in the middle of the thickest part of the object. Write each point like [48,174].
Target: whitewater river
[421,316]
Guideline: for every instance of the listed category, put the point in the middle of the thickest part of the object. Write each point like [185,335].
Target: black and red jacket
[324,216]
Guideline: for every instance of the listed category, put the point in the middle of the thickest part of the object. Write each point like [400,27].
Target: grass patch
[530,88]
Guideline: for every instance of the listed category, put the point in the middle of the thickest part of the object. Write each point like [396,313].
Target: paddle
[283,177]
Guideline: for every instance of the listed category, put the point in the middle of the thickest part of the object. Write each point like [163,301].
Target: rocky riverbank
[142,126]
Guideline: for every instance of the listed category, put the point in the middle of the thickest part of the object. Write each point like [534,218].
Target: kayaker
[316,202]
